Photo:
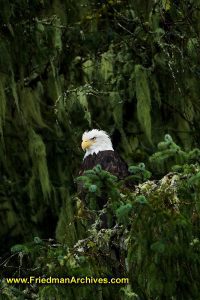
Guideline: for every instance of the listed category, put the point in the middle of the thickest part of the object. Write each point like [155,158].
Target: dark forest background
[132,68]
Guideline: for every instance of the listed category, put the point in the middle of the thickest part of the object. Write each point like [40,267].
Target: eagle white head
[94,141]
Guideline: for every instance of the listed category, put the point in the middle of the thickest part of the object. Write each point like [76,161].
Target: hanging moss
[66,231]
[13,86]
[156,90]
[82,98]
[37,152]
[2,108]
[193,47]
[53,84]
[166,4]
[57,37]
[131,86]
[5,58]
[88,69]
[106,66]
[117,108]
[30,106]
[143,100]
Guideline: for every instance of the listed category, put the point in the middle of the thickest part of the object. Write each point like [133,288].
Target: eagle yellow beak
[86,144]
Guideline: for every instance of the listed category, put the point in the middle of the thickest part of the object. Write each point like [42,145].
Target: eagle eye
[93,139]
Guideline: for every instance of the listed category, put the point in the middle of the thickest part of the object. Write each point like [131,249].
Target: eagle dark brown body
[109,160]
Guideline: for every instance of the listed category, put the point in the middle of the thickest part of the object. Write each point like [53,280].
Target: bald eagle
[99,150]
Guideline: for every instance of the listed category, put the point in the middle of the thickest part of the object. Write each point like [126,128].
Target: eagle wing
[109,160]
[113,163]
